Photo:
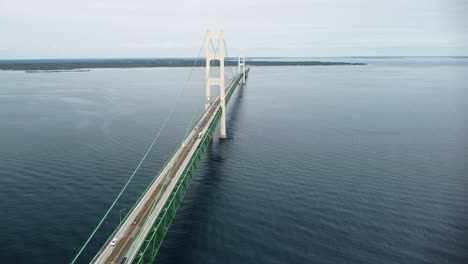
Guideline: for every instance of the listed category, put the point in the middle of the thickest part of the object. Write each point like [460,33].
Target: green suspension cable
[158,197]
[140,163]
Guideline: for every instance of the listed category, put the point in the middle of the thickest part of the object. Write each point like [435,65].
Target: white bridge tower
[241,63]
[218,55]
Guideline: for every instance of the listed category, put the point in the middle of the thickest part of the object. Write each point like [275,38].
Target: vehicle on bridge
[158,204]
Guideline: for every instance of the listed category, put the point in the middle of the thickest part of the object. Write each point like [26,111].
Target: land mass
[73,64]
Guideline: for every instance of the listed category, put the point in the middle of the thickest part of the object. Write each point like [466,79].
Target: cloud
[52,28]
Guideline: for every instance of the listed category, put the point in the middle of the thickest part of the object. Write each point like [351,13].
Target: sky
[31,29]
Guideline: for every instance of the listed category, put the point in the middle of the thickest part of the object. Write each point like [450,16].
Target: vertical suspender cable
[141,161]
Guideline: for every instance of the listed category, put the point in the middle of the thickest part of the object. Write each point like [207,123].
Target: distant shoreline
[75,65]
[71,70]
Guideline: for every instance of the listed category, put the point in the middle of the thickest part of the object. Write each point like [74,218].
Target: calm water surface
[336,164]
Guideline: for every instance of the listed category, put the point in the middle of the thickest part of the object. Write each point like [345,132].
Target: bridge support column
[241,63]
[213,55]
[208,70]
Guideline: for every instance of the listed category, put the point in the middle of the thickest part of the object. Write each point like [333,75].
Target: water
[334,164]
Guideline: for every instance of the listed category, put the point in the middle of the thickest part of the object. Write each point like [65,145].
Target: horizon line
[229,58]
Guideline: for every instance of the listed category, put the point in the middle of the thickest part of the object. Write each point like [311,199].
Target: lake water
[323,164]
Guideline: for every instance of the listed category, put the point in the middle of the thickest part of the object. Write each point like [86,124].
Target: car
[135,221]
[200,135]
[114,241]
[123,260]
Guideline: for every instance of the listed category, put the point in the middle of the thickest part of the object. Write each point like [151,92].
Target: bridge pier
[212,55]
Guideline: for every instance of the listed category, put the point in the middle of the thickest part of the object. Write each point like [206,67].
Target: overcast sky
[174,28]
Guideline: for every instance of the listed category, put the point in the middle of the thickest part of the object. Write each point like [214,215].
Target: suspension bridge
[139,236]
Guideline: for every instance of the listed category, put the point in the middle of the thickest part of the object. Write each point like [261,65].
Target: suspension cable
[142,160]
[159,194]
[227,54]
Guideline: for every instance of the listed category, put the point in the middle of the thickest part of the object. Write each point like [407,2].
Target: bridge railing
[151,246]
[153,241]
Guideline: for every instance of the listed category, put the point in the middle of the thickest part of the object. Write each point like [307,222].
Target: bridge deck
[132,236]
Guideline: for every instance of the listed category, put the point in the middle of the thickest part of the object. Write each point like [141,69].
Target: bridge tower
[213,55]
[241,63]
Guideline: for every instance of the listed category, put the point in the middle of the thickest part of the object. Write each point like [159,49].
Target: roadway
[130,236]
